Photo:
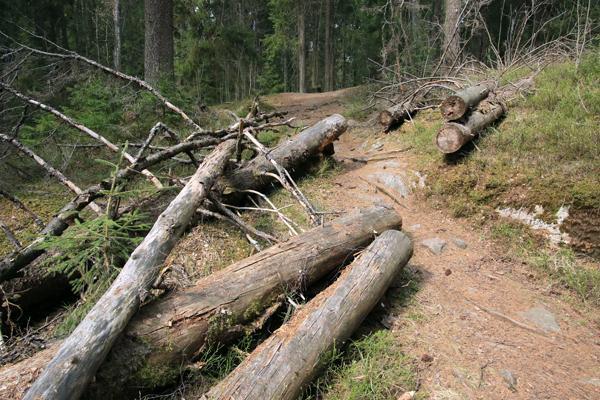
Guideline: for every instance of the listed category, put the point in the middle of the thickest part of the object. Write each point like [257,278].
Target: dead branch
[19,204]
[10,236]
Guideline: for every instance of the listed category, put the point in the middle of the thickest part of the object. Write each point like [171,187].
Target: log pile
[471,110]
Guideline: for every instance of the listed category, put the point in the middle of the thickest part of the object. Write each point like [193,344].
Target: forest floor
[482,324]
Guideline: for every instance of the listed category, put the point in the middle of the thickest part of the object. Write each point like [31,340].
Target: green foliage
[373,367]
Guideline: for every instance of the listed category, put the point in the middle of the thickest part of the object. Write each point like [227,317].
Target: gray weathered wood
[395,115]
[168,332]
[455,106]
[287,360]
[80,355]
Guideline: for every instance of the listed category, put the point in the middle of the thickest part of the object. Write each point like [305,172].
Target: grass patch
[372,367]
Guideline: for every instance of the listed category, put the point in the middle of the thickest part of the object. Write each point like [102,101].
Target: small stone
[461,244]
[407,395]
[414,227]
[426,358]
[435,245]
[510,379]
[448,272]
[542,318]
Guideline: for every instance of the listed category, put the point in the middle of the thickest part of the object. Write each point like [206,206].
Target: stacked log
[395,115]
[285,362]
[167,333]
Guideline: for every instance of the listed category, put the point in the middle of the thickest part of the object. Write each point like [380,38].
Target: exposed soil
[487,327]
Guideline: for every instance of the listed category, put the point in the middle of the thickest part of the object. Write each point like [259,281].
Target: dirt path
[480,325]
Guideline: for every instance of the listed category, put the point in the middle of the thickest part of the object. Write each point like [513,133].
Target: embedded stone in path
[435,245]
[542,318]
[461,244]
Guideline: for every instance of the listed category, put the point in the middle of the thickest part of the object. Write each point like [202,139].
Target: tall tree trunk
[301,50]
[116,12]
[158,47]
[451,32]
[329,56]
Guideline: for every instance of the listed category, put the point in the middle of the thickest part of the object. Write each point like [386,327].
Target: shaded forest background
[223,50]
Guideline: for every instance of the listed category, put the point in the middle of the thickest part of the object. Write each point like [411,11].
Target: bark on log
[289,155]
[81,354]
[395,115]
[286,361]
[167,333]
[455,106]
[452,136]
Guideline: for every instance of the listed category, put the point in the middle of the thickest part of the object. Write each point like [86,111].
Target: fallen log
[167,333]
[455,106]
[289,359]
[453,135]
[292,154]
[395,115]
[81,354]
[14,262]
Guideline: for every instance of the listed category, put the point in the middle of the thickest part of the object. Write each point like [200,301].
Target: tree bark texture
[329,46]
[301,49]
[81,354]
[452,136]
[282,365]
[167,333]
[451,28]
[158,41]
[395,115]
[455,106]
[290,154]
[116,14]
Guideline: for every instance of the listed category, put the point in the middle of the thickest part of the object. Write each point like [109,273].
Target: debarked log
[284,363]
[455,106]
[169,332]
[453,135]
[80,355]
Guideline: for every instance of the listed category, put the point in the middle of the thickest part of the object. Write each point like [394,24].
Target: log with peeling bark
[455,106]
[395,115]
[290,155]
[453,135]
[81,354]
[167,333]
[284,363]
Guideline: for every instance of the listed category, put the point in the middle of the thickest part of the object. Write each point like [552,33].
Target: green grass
[372,367]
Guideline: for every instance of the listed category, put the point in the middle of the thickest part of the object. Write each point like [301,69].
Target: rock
[391,181]
[461,244]
[407,395]
[542,318]
[435,245]
[377,146]
[426,358]
[414,227]
[509,378]
[448,272]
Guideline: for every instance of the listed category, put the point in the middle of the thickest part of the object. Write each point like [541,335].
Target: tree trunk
[282,365]
[292,154]
[158,43]
[452,136]
[170,331]
[301,49]
[81,354]
[116,13]
[329,56]
[451,28]
[395,115]
[455,106]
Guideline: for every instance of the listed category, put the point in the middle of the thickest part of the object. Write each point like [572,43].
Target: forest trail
[481,326]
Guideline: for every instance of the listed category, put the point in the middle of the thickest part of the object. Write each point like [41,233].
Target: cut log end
[453,108]
[451,137]
[386,119]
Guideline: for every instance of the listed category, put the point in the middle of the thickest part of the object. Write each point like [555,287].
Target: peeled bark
[395,115]
[452,136]
[289,155]
[81,354]
[455,106]
[167,333]
[282,365]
